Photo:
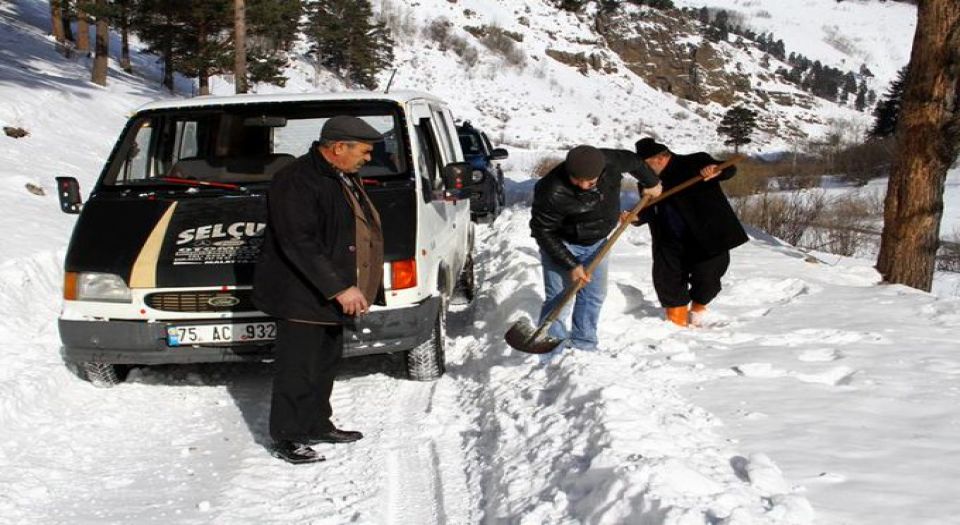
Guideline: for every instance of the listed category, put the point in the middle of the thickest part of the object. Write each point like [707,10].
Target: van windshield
[240,144]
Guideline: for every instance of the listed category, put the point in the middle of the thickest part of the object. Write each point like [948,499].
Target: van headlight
[476,176]
[93,286]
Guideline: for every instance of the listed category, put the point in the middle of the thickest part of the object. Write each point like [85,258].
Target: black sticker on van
[219,243]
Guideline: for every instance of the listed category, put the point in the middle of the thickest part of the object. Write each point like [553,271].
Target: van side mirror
[68,190]
[456,176]
[499,154]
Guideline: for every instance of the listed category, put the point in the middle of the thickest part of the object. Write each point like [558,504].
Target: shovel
[524,337]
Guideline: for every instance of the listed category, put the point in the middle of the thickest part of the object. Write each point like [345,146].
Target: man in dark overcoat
[321,266]
[693,231]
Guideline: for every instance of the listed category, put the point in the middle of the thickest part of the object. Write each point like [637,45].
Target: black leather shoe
[336,436]
[296,453]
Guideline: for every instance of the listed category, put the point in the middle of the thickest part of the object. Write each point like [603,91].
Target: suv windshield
[240,144]
[470,142]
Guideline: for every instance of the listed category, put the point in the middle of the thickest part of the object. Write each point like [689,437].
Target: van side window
[187,145]
[429,158]
[136,163]
[446,140]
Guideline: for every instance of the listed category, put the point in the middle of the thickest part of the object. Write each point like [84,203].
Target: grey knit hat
[585,162]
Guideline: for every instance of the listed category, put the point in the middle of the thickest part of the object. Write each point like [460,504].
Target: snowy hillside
[839,34]
[814,395]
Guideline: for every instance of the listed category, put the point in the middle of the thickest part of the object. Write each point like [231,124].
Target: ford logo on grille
[223,301]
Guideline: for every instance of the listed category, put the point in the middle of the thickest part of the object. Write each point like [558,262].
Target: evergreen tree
[157,28]
[887,112]
[272,27]
[861,102]
[345,40]
[738,124]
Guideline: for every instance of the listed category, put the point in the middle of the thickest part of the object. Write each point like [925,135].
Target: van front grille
[204,301]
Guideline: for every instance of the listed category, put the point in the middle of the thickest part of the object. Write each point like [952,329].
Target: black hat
[648,147]
[348,129]
[585,162]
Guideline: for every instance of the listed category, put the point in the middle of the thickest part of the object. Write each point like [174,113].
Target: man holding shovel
[575,206]
[693,231]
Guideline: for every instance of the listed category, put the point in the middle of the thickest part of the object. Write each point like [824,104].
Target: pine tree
[272,27]
[887,112]
[344,40]
[738,124]
[861,102]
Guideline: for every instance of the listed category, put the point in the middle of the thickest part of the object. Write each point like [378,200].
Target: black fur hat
[648,147]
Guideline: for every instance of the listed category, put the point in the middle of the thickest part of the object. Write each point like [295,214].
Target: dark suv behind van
[486,182]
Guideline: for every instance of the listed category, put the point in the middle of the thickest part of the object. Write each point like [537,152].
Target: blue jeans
[587,304]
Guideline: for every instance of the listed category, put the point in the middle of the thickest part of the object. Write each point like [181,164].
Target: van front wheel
[102,375]
[426,361]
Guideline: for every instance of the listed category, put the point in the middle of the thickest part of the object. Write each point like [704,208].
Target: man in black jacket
[321,265]
[693,231]
[575,206]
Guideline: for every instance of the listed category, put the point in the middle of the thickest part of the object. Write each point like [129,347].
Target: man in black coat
[575,206]
[321,265]
[693,231]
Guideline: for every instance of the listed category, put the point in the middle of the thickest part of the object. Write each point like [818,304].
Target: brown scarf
[369,237]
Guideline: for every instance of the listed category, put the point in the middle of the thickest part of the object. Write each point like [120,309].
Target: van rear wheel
[102,375]
[426,361]
[466,288]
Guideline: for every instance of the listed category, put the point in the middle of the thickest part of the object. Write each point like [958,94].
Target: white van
[160,265]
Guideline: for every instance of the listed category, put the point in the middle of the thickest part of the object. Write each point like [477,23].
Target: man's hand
[654,192]
[579,274]
[709,172]
[352,301]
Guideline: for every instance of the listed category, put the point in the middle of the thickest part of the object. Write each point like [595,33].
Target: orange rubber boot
[677,315]
[698,308]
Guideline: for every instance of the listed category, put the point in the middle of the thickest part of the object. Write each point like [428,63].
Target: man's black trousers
[683,272]
[307,356]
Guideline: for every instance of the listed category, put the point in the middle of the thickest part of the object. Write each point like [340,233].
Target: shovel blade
[520,337]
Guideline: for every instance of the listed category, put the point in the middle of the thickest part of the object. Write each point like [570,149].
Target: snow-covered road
[807,366]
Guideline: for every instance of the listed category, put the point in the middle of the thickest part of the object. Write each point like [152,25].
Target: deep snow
[814,395]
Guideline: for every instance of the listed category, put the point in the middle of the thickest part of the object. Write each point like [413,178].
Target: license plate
[220,333]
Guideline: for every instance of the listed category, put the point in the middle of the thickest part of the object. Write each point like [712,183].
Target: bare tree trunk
[65,21]
[928,138]
[203,78]
[83,29]
[124,20]
[56,22]
[240,46]
[99,75]
[203,72]
[168,66]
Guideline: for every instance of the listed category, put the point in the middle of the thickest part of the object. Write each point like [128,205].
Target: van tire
[466,288]
[426,362]
[102,375]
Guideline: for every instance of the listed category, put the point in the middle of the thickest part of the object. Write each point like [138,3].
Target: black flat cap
[585,162]
[349,129]
[648,147]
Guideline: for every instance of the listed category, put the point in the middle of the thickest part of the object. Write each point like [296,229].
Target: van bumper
[145,343]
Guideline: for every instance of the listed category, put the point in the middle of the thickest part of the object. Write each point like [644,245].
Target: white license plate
[220,333]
